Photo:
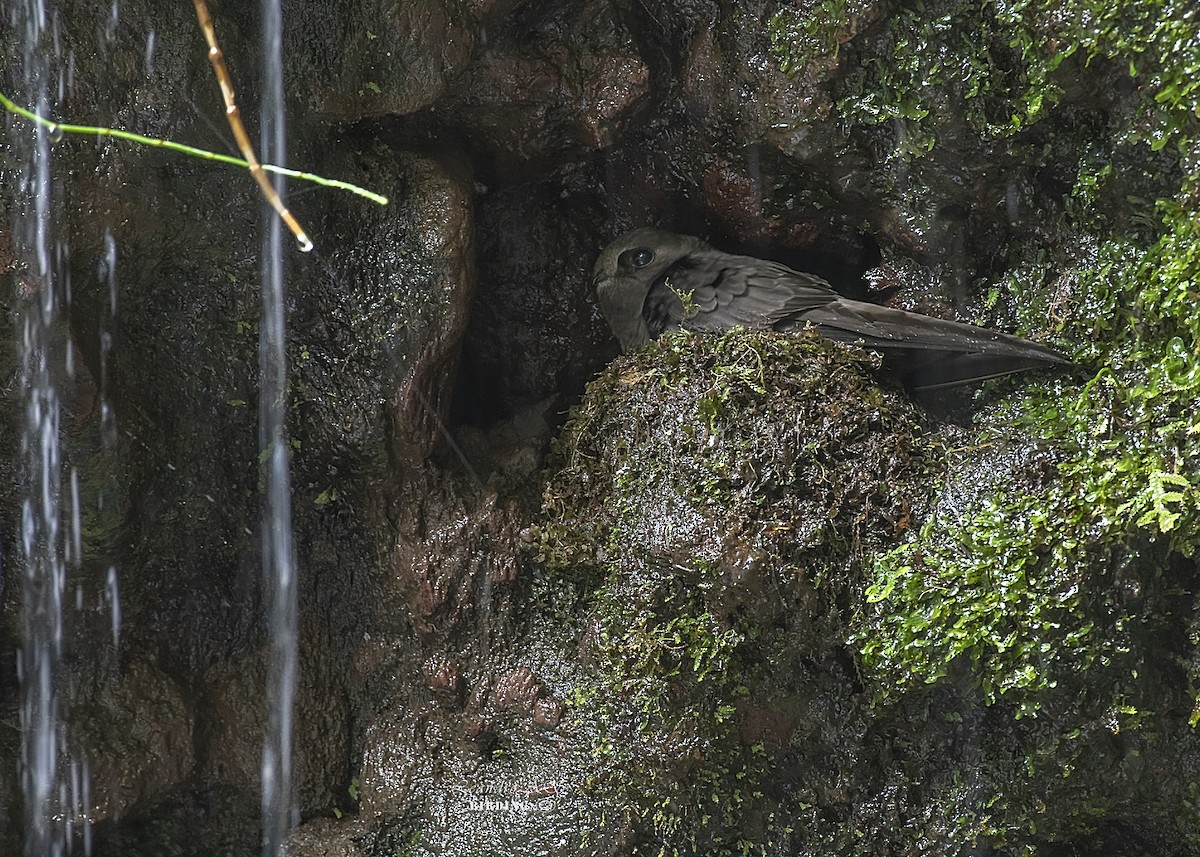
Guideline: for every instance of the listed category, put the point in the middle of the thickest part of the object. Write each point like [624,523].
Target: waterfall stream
[55,779]
[53,789]
[279,563]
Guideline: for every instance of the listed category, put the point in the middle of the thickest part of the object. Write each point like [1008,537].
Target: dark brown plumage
[649,281]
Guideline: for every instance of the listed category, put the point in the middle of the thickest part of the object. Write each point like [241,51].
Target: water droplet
[76,519]
[150,43]
[112,591]
[110,269]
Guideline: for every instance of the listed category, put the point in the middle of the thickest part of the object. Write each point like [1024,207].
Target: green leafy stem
[56,128]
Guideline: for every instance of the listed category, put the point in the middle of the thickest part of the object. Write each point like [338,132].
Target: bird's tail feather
[928,352]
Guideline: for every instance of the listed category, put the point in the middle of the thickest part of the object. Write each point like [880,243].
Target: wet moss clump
[696,437]
[1034,586]
[714,500]
[1067,608]
[956,71]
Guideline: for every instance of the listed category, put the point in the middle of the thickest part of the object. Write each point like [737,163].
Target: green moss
[661,704]
[809,32]
[1157,40]
[1020,589]
[705,490]
[939,55]
[1066,594]
[1001,68]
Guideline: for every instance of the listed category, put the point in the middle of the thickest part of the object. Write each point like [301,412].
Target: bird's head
[625,272]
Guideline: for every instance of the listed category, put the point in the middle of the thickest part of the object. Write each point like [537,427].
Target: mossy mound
[714,500]
[725,513]
[735,452]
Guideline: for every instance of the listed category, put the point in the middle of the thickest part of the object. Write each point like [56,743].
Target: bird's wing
[927,352]
[716,291]
[887,329]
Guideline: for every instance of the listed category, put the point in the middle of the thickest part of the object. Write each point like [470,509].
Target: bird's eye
[638,257]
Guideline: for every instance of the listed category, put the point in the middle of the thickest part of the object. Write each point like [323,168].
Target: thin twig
[55,128]
[234,116]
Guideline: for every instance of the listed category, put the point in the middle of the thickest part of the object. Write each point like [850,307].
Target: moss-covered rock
[723,450]
[1078,592]
[714,501]
[769,671]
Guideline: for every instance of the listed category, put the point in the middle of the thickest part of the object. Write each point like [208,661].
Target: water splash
[279,565]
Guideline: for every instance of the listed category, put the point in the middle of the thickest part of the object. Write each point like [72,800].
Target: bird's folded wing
[715,291]
[886,329]
[931,370]
[740,291]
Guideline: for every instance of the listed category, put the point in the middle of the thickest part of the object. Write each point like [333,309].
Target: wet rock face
[712,504]
[380,319]
[453,563]
[401,62]
[149,751]
[551,84]
[228,742]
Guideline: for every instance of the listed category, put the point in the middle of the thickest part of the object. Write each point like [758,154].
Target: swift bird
[649,281]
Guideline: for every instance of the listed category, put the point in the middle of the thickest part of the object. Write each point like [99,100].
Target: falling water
[108,424]
[56,782]
[279,568]
[52,792]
